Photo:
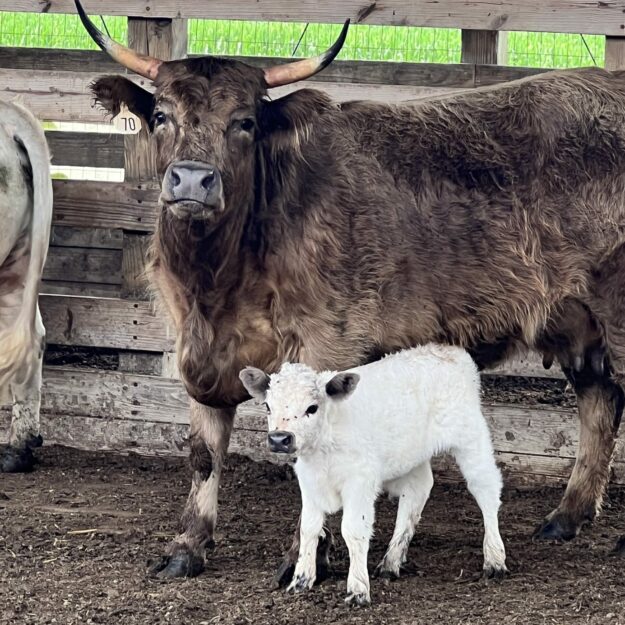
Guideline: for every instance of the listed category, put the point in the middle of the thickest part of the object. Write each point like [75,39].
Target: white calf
[25,217]
[375,428]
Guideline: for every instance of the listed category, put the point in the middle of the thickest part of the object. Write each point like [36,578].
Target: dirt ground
[76,535]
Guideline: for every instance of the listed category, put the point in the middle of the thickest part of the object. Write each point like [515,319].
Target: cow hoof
[382,572]
[557,526]
[14,460]
[360,600]
[182,563]
[494,572]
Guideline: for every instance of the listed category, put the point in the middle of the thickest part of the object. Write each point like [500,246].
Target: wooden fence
[94,293]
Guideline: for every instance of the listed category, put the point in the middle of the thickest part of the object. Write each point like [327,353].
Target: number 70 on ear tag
[126,122]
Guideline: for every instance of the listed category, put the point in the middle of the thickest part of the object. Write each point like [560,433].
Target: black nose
[192,180]
[281,442]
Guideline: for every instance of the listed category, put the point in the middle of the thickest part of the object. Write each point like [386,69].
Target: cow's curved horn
[139,63]
[300,70]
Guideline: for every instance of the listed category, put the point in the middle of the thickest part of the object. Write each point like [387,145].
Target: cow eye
[159,118]
[312,409]
[247,124]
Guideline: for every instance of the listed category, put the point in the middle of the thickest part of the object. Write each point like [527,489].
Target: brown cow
[300,229]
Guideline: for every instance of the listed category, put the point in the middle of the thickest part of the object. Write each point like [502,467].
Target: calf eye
[312,409]
[159,118]
[247,124]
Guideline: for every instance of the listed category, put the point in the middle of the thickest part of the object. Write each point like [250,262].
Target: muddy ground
[76,535]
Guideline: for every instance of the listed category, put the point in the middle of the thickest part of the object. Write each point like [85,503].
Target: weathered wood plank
[99,322]
[88,204]
[105,238]
[571,16]
[460,75]
[86,149]
[615,53]
[480,46]
[83,289]
[79,264]
[134,277]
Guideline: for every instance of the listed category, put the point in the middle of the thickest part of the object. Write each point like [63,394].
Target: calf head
[297,400]
[206,116]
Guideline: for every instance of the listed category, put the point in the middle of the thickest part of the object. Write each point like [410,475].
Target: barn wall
[94,292]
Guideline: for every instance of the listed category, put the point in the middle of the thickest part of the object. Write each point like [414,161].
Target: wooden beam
[615,53]
[104,238]
[98,322]
[92,63]
[567,16]
[80,264]
[480,46]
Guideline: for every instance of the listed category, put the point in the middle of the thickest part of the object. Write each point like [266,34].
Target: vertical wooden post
[480,47]
[165,39]
[615,53]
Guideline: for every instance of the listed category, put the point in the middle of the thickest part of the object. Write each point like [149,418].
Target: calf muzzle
[281,442]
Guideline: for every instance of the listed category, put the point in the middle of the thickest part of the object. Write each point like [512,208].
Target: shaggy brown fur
[484,219]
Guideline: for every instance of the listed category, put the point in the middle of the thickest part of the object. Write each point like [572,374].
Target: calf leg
[477,464]
[357,528]
[311,527]
[24,434]
[209,438]
[286,569]
[413,491]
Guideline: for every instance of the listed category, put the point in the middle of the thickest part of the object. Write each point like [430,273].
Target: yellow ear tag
[125,122]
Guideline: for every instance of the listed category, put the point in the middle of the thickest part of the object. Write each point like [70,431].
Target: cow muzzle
[193,189]
[281,442]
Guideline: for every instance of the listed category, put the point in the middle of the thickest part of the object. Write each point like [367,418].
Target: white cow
[375,428]
[25,218]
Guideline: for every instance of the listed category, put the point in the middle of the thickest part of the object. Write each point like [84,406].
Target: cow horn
[288,73]
[141,64]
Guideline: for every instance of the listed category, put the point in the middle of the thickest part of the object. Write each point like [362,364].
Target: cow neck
[202,257]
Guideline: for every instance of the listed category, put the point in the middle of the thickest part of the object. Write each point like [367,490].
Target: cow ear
[342,385]
[255,381]
[110,92]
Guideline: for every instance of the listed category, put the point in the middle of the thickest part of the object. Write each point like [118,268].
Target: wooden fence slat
[105,238]
[98,322]
[480,46]
[86,149]
[85,289]
[84,203]
[571,16]
[615,53]
[79,264]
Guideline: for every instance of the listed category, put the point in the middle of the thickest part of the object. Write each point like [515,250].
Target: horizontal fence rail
[565,16]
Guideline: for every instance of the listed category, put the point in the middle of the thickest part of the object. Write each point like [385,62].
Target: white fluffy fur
[405,409]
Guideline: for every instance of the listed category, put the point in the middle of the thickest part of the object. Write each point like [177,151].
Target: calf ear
[342,385]
[255,381]
[111,92]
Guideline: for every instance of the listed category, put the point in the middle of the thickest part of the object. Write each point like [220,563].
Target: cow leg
[600,406]
[209,439]
[412,491]
[24,434]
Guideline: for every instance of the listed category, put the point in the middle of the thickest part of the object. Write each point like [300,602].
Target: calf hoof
[14,460]
[360,600]
[557,526]
[284,574]
[182,563]
[301,583]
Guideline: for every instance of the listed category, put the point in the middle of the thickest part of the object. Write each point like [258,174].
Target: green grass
[381,43]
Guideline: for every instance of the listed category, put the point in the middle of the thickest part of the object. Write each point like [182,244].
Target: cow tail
[19,341]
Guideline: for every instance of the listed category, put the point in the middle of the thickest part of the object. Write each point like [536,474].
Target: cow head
[299,402]
[206,116]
